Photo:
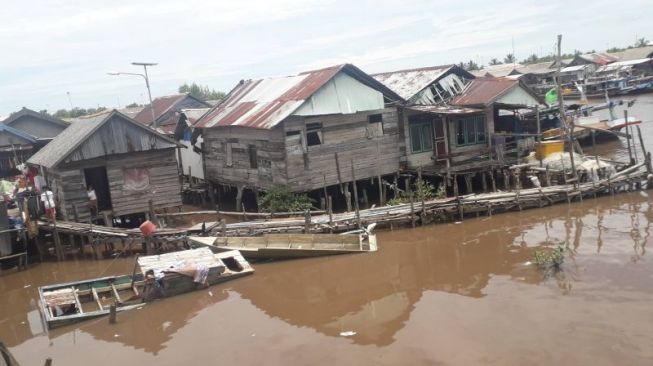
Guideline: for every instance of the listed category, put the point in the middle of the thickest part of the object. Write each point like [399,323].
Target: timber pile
[449,209]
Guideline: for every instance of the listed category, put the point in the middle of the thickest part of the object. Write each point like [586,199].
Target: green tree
[281,198]
[133,105]
[471,65]
[495,61]
[641,42]
[532,59]
[201,92]
[509,59]
[77,112]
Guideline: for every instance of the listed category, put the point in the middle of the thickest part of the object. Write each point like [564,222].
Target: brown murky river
[459,294]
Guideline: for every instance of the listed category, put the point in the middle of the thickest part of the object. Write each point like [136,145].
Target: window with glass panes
[421,136]
[470,130]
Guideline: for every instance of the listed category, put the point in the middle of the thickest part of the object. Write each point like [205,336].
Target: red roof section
[265,102]
[161,105]
[484,91]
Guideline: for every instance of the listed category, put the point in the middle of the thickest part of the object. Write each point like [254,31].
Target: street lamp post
[147,84]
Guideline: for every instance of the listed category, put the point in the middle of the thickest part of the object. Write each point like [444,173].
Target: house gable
[518,96]
[342,94]
[117,136]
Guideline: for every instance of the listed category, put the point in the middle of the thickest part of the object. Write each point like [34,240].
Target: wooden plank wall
[353,137]
[164,189]
[227,161]
[117,136]
[69,187]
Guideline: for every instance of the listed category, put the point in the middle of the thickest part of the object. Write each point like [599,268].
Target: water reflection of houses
[375,294]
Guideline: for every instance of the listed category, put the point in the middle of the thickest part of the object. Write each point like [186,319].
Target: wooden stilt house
[128,164]
[303,131]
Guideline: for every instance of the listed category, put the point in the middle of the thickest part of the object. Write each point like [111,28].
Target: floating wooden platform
[286,246]
[154,276]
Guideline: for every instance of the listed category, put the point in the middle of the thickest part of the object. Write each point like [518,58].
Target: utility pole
[147,83]
[568,127]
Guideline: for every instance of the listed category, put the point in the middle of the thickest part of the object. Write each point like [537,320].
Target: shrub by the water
[549,258]
[422,188]
[282,199]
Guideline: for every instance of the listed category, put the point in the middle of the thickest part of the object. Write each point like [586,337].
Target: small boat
[288,246]
[6,357]
[154,276]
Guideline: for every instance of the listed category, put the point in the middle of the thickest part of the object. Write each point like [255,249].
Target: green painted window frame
[470,131]
[420,143]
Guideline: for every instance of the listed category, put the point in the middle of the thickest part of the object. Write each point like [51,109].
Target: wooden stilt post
[412,209]
[381,190]
[330,210]
[307,222]
[539,129]
[112,314]
[239,197]
[494,183]
[630,151]
[641,142]
[353,177]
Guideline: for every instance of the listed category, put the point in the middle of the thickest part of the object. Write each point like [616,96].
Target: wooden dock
[443,210]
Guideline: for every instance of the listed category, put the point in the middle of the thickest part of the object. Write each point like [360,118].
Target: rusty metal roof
[484,91]
[160,105]
[264,103]
[407,83]
[599,58]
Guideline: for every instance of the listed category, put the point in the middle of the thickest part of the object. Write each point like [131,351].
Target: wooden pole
[48,362]
[353,177]
[629,129]
[381,188]
[539,129]
[239,197]
[630,151]
[412,209]
[330,210]
[112,314]
[641,141]
[307,222]
[342,190]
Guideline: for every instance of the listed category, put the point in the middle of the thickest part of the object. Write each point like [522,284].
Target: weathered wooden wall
[164,190]
[373,152]
[283,156]
[227,156]
[117,137]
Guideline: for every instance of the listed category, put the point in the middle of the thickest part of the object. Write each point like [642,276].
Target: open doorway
[97,178]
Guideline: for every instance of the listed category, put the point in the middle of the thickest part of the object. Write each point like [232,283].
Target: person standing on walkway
[47,197]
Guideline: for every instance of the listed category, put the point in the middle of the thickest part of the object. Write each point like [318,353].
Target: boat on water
[154,277]
[289,246]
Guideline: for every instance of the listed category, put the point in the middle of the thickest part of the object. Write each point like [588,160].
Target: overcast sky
[51,48]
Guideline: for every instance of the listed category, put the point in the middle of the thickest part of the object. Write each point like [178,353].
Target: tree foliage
[77,112]
[281,198]
[201,92]
[509,59]
[495,61]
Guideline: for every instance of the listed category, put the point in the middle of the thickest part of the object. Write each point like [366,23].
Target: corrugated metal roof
[194,114]
[483,91]
[537,68]
[161,106]
[70,138]
[499,70]
[266,102]
[624,64]
[634,53]
[407,83]
[599,58]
